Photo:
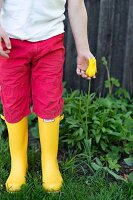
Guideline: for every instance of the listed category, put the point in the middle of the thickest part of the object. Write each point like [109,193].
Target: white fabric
[33,20]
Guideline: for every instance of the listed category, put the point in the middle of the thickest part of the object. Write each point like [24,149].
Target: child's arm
[78,20]
[5,38]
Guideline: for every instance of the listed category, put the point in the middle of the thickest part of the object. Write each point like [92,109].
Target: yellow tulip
[92,68]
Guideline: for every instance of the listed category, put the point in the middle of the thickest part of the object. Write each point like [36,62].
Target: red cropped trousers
[31,78]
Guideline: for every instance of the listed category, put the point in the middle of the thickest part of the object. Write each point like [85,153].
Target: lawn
[100,186]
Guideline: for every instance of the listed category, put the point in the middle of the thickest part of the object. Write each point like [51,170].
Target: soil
[125,170]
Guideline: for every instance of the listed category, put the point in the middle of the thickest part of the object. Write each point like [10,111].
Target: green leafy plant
[106,121]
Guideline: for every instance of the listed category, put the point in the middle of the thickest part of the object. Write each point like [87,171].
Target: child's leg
[18,140]
[48,104]
[15,95]
[49,136]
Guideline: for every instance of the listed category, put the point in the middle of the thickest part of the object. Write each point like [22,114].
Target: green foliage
[130,178]
[129,161]
[2,126]
[33,125]
[108,122]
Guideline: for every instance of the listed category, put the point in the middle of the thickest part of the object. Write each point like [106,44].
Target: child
[31,67]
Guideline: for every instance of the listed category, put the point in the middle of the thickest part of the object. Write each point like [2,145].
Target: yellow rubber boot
[18,140]
[49,136]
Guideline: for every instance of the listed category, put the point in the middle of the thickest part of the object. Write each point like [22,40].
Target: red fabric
[32,76]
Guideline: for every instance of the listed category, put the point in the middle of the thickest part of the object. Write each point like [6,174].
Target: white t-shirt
[33,20]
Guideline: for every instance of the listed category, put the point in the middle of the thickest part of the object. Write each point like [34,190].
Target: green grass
[97,187]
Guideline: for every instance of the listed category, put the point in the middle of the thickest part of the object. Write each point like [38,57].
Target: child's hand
[82,64]
[5,38]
